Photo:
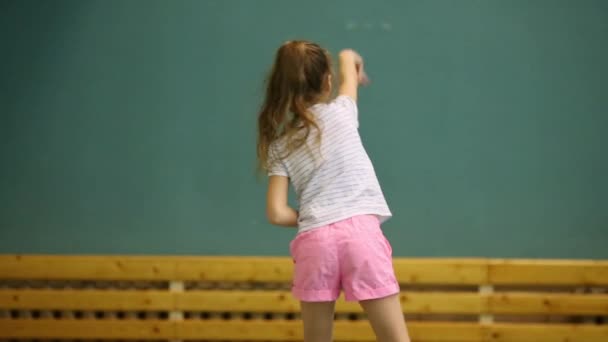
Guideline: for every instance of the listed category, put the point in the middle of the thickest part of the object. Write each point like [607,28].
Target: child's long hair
[298,80]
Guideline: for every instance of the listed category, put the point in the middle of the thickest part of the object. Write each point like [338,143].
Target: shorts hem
[315,295]
[357,296]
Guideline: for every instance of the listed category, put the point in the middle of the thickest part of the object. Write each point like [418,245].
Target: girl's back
[337,180]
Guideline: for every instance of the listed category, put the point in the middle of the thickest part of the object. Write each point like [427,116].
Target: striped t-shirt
[337,180]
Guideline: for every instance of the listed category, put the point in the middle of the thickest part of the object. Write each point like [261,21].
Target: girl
[315,144]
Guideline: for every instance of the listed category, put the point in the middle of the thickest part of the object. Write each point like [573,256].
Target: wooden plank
[51,267]
[543,303]
[441,271]
[238,330]
[72,329]
[548,272]
[283,301]
[272,269]
[442,303]
[279,269]
[545,333]
[234,269]
[237,301]
[85,300]
[445,332]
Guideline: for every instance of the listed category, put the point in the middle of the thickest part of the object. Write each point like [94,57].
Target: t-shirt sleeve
[276,167]
[348,108]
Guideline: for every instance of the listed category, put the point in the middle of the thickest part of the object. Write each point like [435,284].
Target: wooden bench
[248,299]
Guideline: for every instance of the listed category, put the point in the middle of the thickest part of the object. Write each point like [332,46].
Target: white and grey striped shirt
[338,180]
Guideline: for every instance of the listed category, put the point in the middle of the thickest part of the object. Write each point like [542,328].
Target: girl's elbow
[273,216]
[274,220]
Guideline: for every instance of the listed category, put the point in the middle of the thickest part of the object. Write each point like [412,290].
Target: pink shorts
[351,255]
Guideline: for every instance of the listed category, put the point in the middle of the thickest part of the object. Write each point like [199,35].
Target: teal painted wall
[129,126]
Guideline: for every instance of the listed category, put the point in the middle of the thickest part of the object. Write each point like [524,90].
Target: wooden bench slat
[442,303]
[227,269]
[249,269]
[291,330]
[49,267]
[343,331]
[548,272]
[73,329]
[419,331]
[283,301]
[545,333]
[441,271]
[542,303]
[444,332]
[267,269]
[86,300]
[279,269]
[237,301]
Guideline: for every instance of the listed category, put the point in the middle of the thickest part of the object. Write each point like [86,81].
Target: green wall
[129,126]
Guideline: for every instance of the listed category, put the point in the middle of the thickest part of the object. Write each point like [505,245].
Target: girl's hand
[362,76]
